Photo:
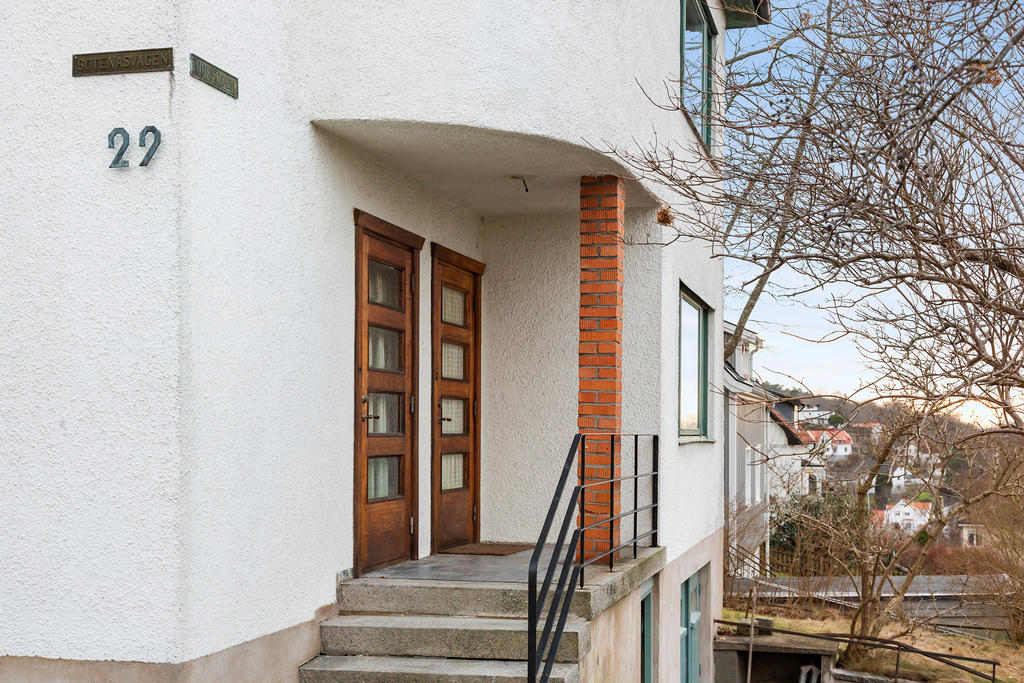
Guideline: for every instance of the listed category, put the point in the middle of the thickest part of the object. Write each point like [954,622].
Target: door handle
[444,419]
[366,416]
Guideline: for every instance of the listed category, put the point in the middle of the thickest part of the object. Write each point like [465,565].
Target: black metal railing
[543,646]
[950,660]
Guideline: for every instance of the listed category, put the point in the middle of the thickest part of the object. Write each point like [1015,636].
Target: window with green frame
[689,630]
[693,364]
[697,47]
[646,633]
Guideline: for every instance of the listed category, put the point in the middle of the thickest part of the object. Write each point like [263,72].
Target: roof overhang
[735,382]
[746,13]
[792,438]
[493,172]
[747,336]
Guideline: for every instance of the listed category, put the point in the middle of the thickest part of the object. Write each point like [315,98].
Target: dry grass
[913,667]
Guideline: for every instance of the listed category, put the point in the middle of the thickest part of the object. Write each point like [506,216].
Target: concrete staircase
[429,631]
[432,631]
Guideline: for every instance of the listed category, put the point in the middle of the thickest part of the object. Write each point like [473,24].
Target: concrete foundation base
[273,658]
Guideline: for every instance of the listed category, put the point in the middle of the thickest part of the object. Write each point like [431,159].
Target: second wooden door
[455,481]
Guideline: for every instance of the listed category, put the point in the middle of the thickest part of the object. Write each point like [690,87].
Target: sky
[791,354]
[791,357]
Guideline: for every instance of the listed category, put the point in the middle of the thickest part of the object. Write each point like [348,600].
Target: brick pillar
[602,217]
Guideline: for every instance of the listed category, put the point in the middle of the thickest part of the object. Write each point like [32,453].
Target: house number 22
[118,161]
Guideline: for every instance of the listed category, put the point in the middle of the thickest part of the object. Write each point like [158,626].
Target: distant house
[971,533]
[832,443]
[746,457]
[812,413]
[795,467]
[865,436]
[908,517]
[903,477]
[870,430]
[913,468]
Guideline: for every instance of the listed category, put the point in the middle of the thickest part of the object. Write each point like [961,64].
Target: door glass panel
[453,361]
[384,414]
[383,478]
[453,471]
[385,349]
[385,285]
[453,416]
[453,306]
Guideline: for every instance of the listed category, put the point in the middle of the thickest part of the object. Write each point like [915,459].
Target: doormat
[487,549]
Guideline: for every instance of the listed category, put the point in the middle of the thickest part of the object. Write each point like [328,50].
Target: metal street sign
[213,76]
[122,62]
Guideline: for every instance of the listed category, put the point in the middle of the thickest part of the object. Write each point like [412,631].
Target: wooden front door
[455,479]
[386,352]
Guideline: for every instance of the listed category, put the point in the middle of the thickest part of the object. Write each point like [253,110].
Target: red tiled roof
[800,432]
[805,436]
[839,437]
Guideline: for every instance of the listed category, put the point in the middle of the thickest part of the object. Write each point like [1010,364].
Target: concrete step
[334,668]
[455,598]
[442,636]
[379,595]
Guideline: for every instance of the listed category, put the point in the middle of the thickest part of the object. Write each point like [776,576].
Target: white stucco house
[815,413]
[749,431]
[907,516]
[796,466]
[348,319]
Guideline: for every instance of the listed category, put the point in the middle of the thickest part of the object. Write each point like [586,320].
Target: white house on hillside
[795,468]
[767,456]
[909,517]
[832,444]
[297,306]
[814,413]
[748,427]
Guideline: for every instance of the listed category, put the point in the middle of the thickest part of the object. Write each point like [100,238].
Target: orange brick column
[602,217]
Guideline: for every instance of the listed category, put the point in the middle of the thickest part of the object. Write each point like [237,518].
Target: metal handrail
[604,482]
[618,516]
[889,644]
[542,650]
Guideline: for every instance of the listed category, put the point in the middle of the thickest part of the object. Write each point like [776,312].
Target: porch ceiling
[480,167]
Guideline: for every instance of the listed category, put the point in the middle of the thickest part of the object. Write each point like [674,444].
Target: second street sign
[213,76]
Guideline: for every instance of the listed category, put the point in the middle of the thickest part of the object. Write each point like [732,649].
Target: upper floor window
[697,38]
[693,365]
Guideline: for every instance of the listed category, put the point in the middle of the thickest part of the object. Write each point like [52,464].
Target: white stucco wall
[529,344]
[692,469]
[270,379]
[176,363]
[563,69]
[90,498]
